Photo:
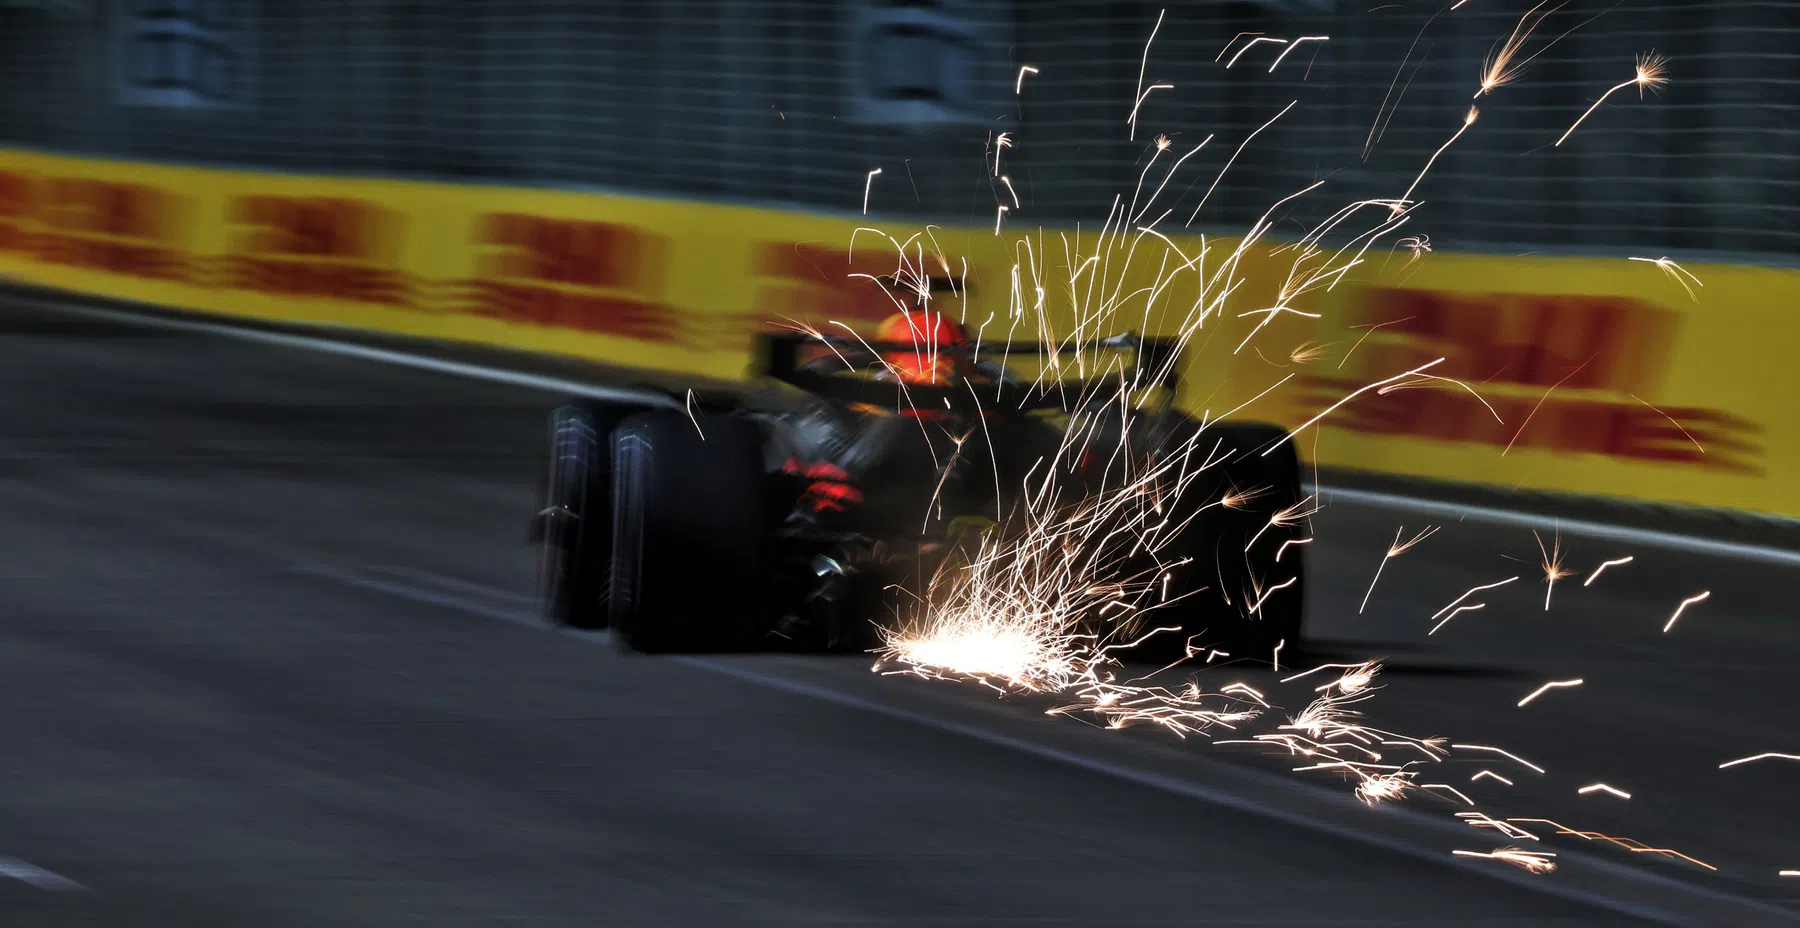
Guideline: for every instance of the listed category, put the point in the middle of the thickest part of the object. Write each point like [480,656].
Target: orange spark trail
[1672,421]
[1696,598]
[1540,403]
[1371,327]
[1674,272]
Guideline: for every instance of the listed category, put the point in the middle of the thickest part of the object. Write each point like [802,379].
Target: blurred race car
[804,516]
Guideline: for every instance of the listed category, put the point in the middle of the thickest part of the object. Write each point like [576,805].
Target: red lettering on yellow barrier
[575,274]
[327,247]
[1570,374]
[817,285]
[120,228]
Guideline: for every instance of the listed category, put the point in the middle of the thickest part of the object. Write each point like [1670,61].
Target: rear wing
[782,356]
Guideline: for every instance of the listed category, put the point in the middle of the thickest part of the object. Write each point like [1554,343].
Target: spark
[1296,44]
[1789,873]
[1009,189]
[868,184]
[1449,789]
[1140,102]
[1228,45]
[1144,64]
[1650,74]
[1630,844]
[1529,861]
[1691,600]
[1540,404]
[1284,546]
[1553,565]
[1498,69]
[1675,272]
[1269,592]
[1491,774]
[1419,245]
[1275,660]
[1483,820]
[1552,685]
[999,215]
[1616,562]
[1019,84]
[1375,788]
[1353,395]
[1001,141]
[1766,755]
[1233,159]
[1506,754]
[1249,45]
[1459,610]
[1468,120]
[1394,550]
[690,413]
[1371,328]
[1603,788]
[1673,422]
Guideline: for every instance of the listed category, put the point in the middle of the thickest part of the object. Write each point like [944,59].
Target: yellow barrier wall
[1606,377]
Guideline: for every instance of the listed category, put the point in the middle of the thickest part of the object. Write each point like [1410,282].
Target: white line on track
[363,352]
[35,875]
[1643,536]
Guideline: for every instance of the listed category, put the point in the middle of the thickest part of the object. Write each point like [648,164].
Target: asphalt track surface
[268,657]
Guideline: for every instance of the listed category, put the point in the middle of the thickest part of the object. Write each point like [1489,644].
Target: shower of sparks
[1529,861]
[1553,565]
[1766,755]
[1691,600]
[1468,120]
[1603,788]
[1394,550]
[1617,562]
[1048,605]
[1651,74]
[1019,84]
[1249,45]
[1676,273]
[1552,685]
[1296,44]
[868,184]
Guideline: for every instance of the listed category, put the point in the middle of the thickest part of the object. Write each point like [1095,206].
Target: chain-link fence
[795,101]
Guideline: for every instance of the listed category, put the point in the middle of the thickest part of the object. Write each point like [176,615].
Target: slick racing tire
[689,531]
[1244,587]
[573,529]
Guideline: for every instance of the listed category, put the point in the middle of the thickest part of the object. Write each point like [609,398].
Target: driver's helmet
[930,332]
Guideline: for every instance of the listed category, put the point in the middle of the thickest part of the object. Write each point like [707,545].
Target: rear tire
[689,529]
[1239,598]
[573,523]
